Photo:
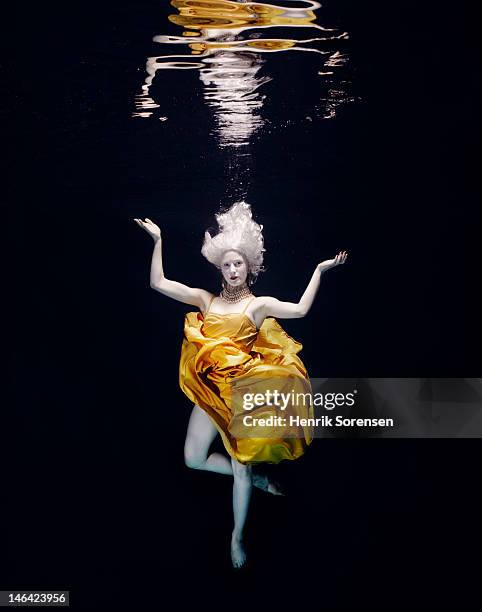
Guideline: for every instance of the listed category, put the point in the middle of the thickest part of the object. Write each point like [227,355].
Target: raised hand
[331,263]
[150,227]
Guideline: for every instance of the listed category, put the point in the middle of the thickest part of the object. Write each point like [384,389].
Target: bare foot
[265,484]
[238,554]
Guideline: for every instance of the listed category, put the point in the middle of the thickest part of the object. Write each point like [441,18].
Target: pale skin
[201,430]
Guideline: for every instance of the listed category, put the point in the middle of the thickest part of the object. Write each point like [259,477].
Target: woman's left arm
[291,310]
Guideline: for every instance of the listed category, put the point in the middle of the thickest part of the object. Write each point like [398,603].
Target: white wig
[237,232]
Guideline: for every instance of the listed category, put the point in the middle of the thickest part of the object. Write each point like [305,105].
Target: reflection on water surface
[229,44]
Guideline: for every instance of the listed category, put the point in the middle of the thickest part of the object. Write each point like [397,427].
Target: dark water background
[98,498]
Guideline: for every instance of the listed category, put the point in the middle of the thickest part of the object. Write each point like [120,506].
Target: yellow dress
[223,357]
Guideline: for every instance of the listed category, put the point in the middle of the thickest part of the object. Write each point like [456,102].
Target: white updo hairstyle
[237,232]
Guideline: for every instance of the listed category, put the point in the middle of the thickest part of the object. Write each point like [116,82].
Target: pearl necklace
[235,294]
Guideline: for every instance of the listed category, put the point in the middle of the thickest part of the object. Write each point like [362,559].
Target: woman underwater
[234,340]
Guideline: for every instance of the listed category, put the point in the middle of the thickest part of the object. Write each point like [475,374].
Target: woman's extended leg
[242,488]
[200,434]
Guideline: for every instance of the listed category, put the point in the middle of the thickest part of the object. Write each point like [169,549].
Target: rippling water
[231,46]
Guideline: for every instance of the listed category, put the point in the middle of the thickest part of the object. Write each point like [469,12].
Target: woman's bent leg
[200,435]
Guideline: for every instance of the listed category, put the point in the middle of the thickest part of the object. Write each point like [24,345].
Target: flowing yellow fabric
[221,349]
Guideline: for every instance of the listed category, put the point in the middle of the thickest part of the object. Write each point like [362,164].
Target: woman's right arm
[173,289]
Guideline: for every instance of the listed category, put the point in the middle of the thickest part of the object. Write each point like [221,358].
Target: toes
[238,556]
[275,489]
[238,563]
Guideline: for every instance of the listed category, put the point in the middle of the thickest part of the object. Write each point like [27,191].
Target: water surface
[237,49]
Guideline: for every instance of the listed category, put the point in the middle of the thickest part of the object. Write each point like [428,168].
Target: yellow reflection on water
[262,45]
[227,14]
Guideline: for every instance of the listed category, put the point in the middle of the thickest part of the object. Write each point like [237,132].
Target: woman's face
[234,268]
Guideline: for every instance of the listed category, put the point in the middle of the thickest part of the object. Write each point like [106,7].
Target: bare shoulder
[205,298]
[272,307]
[267,306]
[262,301]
